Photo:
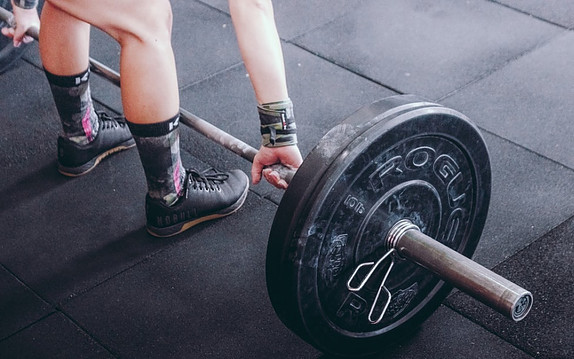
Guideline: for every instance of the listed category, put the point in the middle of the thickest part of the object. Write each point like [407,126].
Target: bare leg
[142,28]
[62,31]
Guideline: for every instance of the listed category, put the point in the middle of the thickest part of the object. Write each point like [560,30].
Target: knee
[161,16]
[150,21]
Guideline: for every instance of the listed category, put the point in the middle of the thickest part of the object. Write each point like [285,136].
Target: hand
[24,19]
[288,156]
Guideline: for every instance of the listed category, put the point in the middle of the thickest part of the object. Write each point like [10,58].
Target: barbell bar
[308,250]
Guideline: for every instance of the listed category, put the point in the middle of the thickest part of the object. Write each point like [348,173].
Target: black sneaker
[76,160]
[208,195]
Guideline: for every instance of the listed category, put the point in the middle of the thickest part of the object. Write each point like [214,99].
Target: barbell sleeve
[454,268]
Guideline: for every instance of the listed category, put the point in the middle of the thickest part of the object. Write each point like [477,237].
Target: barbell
[377,225]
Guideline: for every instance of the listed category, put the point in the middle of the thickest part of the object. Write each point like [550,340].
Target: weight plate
[399,158]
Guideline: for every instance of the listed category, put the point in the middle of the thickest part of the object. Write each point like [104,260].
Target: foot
[76,160]
[208,195]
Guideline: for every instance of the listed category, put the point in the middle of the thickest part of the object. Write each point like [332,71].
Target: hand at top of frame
[24,20]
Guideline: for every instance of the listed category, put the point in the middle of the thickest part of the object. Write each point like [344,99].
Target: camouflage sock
[74,103]
[158,147]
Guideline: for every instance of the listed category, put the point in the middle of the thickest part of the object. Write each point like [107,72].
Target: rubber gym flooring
[81,278]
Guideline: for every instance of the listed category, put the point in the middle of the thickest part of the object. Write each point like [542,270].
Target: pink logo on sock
[87,124]
[177,178]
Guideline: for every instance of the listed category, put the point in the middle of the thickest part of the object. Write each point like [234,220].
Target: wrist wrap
[277,124]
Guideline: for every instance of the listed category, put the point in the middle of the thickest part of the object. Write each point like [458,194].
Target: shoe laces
[209,180]
[107,122]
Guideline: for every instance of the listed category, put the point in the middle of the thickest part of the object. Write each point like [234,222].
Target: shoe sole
[88,166]
[184,226]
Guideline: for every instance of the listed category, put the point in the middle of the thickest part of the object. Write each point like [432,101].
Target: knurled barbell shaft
[463,273]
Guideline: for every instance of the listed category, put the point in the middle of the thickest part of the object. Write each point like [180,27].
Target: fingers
[23,21]
[256,172]
[274,178]
[288,156]
[265,158]
[9,32]
[18,38]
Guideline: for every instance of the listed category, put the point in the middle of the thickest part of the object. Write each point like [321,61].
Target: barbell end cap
[522,306]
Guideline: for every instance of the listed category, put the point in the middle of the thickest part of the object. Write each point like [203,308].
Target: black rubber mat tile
[85,230]
[448,335]
[19,306]
[204,297]
[427,48]
[556,11]
[27,119]
[53,337]
[297,17]
[203,41]
[530,196]
[529,101]
[323,95]
[545,268]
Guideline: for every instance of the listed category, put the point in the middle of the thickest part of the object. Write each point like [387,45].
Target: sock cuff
[154,129]
[68,81]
